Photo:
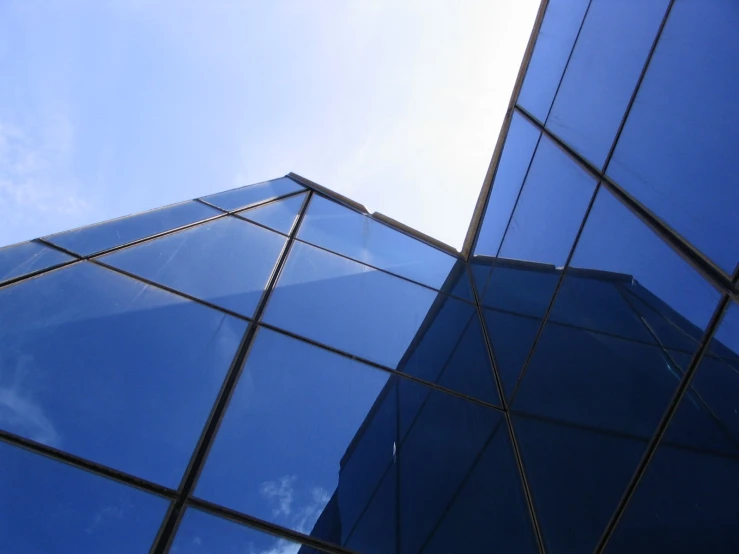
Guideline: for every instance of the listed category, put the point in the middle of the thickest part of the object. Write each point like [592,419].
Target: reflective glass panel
[279,215]
[203,533]
[344,231]
[550,210]
[47,506]
[348,305]
[596,363]
[227,262]
[677,152]
[253,194]
[515,159]
[609,56]
[552,50]
[111,369]
[28,257]
[577,477]
[96,238]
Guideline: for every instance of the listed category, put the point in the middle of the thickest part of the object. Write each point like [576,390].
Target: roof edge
[328,192]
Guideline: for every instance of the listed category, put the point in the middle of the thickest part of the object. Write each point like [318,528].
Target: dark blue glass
[376,530]
[605,65]
[86,241]
[344,231]
[227,262]
[552,50]
[550,209]
[686,502]
[521,287]
[111,369]
[518,150]
[437,456]
[294,413]
[348,305]
[203,533]
[677,152]
[279,215]
[244,197]
[28,257]
[577,477]
[48,506]
[489,514]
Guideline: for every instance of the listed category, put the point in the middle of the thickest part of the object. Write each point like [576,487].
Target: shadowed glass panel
[21,259]
[244,197]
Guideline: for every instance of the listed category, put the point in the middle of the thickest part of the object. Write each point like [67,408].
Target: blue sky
[112,107]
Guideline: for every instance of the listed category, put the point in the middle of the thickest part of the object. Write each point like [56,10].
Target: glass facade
[272,370]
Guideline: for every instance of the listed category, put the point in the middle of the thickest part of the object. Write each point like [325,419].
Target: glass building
[273,370]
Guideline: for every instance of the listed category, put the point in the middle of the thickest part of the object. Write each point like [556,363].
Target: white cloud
[280,494]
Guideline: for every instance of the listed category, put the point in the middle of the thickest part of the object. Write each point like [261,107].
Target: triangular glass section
[226,262]
[279,215]
[244,197]
[511,337]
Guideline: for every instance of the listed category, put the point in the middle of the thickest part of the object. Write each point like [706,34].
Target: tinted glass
[96,238]
[577,477]
[594,94]
[509,176]
[550,210]
[348,305]
[227,262]
[279,215]
[111,369]
[203,533]
[253,194]
[28,257]
[677,152]
[357,236]
[604,368]
[294,413]
[47,506]
[551,52]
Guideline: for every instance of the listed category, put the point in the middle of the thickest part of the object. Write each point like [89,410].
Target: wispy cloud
[280,494]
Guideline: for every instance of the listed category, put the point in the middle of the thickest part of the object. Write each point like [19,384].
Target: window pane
[577,477]
[604,368]
[48,506]
[253,194]
[280,215]
[677,152]
[359,237]
[600,79]
[111,369]
[227,262]
[519,147]
[22,259]
[96,238]
[553,46]
[203,533]
[551,207]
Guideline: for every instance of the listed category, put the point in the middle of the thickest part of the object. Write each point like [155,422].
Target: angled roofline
[487,184]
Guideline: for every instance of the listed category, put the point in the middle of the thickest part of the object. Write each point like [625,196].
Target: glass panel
[227,262]
[577,477]
[244,197]
[203,533]
[27,257]
[584,376]
[447,445]
[280,215]
[103,236]
[111,369]
[677,151]
[593,96]
[553,46]
[359,237]
[348,305]
[376,531]
[298,408]
[552,205]
[48,506]
[515,159]
[521,287]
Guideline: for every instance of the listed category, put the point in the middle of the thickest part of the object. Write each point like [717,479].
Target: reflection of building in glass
[273,369]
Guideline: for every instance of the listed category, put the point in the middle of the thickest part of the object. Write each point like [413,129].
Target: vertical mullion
[176,509]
